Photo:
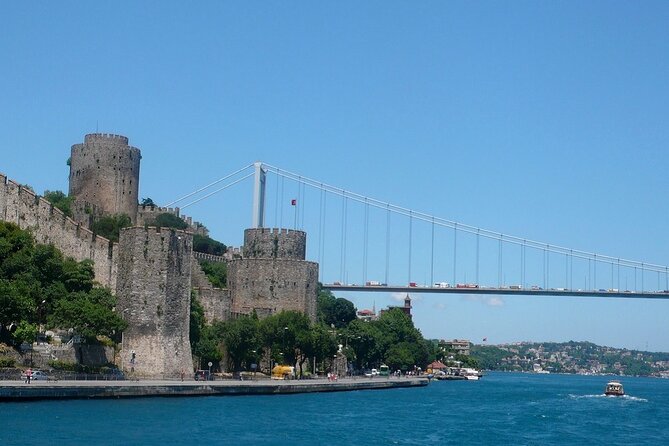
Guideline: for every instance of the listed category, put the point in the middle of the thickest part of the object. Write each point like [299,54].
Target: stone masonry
[49,225]
[273,275]
[104,177]
[153,292]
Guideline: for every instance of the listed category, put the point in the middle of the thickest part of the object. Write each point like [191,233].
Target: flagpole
[294,203]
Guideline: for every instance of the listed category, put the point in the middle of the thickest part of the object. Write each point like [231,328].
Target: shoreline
[18,391]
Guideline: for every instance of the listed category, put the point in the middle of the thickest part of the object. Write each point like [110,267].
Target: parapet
[106,137]
[275,243]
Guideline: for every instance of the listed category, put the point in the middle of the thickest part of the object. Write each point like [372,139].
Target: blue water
[501,409]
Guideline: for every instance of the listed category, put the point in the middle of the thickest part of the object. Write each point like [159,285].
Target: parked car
[36,375]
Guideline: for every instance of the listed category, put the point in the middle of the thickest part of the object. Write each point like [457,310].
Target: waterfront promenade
[54,390]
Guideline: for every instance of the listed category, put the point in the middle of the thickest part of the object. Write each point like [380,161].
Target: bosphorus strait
[502,408]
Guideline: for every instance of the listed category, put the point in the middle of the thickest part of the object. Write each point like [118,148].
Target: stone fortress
[153,270]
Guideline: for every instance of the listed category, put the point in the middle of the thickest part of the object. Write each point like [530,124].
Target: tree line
[289,337]
[42,289]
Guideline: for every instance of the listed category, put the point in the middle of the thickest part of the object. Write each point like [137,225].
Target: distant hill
[571,357]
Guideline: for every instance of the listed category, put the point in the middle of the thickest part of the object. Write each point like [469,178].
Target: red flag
[293,202]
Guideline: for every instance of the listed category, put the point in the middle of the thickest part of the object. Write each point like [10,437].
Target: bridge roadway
[498,291]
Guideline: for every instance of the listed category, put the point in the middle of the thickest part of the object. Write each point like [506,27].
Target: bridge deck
[498,291]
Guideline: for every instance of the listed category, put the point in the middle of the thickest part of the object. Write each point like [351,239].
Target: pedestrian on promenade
[29,375]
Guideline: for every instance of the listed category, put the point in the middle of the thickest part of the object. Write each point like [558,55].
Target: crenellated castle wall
[274,243]
[49,225]
[146,215]
[272,275]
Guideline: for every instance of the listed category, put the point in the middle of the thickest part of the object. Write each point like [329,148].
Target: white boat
[470,374]
[614,388]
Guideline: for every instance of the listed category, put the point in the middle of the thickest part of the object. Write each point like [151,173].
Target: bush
[168,221]
[203,243]
[63,365]
[7,362]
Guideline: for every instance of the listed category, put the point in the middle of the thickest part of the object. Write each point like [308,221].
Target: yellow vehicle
[283,372]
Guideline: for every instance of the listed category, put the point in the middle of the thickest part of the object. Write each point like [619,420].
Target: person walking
[29,375]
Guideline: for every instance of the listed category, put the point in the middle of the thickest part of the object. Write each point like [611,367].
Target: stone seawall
[39,390]
[49,225]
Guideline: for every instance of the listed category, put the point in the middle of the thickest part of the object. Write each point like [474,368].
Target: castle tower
[273,275]
[153,291]
[104,176]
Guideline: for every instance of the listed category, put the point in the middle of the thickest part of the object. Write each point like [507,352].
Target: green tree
[334,310]
[207,245]
[167,220]
[209,346]
[197,321]
[283,334]
[147,202]
[216,272]
[321,344]
[25,332]
[110,226]
[89,313]
[60,201]
[242,341]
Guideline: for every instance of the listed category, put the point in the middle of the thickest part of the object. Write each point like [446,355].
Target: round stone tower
[267,243]
[104,175]
[273,274]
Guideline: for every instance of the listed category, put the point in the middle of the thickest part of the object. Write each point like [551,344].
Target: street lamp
[284,340]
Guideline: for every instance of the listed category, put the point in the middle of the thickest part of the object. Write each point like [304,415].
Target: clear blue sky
[541,120]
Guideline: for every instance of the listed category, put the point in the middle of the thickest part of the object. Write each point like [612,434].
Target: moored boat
[614,388]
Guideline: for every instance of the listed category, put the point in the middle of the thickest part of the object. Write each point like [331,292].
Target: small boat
[470,374]
[614,388]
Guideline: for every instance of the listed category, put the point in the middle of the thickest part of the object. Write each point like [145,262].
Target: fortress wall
[270,286]
[268,243]
[153,292]
[216,301]
[49,225]
[146,215]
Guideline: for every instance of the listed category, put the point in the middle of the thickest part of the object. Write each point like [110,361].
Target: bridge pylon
[258,196]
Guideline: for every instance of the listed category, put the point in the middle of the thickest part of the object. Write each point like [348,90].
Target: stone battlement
[49,225]
[145,214]
[275,243]
[107,137]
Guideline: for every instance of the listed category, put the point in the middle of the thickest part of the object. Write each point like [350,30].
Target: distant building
[406,308]
[457,346]
[366,315]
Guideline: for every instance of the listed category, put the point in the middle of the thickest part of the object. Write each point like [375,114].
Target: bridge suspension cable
[479,232]
[210,185]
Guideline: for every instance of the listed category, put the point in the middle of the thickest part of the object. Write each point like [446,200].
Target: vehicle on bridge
[467,285]
[441,285]
[373,283]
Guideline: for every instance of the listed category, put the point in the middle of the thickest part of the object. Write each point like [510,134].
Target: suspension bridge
[367,245]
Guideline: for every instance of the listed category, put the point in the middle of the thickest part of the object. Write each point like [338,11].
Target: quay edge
[36,391]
